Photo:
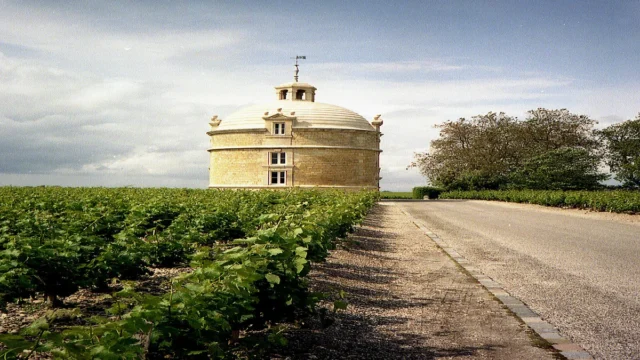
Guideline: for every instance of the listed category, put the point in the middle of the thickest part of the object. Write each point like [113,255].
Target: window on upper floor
[283,94]
[278,128]
[301,95]
[278,158]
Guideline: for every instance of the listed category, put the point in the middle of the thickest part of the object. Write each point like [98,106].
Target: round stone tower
[294,141]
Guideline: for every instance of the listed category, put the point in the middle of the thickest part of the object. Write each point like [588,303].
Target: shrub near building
[420,192]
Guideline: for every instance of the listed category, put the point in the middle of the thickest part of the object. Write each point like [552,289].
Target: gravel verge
[407,300]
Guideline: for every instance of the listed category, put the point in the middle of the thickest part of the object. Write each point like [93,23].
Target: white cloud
[389,67]
[390,96]
[76,34]
[605,103]
[108,93]
[55,122]
[148,161]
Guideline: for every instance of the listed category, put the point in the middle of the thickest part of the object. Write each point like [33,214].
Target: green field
[247,254]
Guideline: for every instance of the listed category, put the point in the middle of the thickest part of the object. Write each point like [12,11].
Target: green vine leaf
[272,279]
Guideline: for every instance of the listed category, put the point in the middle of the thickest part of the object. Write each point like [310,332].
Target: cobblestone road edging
[545,330]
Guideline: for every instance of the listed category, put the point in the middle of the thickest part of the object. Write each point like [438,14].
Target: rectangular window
[278,128]
[278,158]
[278,178]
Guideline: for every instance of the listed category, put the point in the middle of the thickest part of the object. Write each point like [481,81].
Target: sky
[120,93]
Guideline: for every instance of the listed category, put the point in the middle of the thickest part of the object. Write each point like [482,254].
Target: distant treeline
[549,150]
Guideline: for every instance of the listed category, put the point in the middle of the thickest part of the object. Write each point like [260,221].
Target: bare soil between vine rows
[87,302]
[407,300]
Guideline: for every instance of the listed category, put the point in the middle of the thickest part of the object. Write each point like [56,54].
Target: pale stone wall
[326,157]
[330,137]
[243,167]
[336,167]
[237,139]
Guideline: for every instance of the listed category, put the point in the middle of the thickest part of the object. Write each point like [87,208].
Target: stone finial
[377,121]
[279,110]
[266,113]
[293,113]
[215,121]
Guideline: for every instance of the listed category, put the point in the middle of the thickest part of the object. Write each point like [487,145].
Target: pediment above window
[279,117]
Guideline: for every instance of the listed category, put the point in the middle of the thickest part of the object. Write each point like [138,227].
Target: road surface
[580,271]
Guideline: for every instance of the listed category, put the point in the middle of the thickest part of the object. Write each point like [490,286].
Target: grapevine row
[250,252]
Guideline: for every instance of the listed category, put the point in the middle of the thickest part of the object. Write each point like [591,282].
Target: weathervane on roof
[298,57]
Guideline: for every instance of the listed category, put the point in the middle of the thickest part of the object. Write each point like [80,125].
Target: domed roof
[311,115]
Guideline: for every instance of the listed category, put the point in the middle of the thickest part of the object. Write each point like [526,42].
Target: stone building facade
[294,142]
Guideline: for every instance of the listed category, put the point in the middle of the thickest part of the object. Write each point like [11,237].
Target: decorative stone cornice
[231,131]
[308,129]
[258,147]
[295,128]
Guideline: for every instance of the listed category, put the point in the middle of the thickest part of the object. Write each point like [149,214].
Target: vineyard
[243,258]
[618,201]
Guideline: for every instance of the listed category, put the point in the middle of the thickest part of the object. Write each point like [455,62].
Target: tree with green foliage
[475,153]
[546,130]
[559,169]
[483,152]
[622,145]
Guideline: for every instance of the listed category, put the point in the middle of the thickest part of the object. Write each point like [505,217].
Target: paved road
[580,271]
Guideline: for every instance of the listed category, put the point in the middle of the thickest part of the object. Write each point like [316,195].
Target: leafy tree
[560,169]
[483,152]
[472,153]
[622,144]
[546,130]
